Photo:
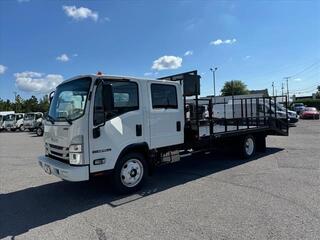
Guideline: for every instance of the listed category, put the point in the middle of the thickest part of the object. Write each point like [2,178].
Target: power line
[305,69]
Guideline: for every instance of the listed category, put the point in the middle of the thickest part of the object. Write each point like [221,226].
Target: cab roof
[94,76]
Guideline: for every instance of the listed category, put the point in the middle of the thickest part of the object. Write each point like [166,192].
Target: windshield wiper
[51,119]
[67,119]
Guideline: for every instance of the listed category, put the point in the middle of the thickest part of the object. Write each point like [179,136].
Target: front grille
[58,158]
[59,152]
[56,147]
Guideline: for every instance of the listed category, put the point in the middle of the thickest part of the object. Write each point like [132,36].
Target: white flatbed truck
[126,126]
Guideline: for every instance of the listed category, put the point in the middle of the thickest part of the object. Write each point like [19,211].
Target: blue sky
[44,42]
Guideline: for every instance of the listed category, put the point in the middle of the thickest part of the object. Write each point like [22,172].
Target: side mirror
[107,96]
[51,96]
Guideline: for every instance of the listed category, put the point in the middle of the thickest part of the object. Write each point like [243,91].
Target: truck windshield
[9,117]
[29,116]
[69,100]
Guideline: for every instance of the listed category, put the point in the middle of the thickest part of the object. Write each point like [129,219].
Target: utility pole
[287,79]
[213,70]
[282,88]
[272,88]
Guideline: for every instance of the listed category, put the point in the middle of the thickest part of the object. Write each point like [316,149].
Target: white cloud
[247,57]
[2,69]
[188,53]
[63,58]
[297,79]
[167,62]
[37,82]
[227,41]
[80,13]
[22,1]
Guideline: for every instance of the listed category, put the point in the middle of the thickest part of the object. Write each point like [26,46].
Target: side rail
[209,116]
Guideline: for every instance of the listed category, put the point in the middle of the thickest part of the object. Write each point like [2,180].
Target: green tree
[18,104]
[6,105]
[234,87]
[318,92]
[31,104]
[44,104]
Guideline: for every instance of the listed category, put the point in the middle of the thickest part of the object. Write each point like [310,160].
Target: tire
[130,173]
[22,128]
[13,129]
[248,148]
[39,132]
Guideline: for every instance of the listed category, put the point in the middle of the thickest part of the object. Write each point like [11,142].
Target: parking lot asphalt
[276,195]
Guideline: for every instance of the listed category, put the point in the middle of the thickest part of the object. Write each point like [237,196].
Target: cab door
[166,115]
[122,126]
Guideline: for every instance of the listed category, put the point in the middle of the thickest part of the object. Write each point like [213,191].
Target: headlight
[75,158]
[75,154]
[75,148]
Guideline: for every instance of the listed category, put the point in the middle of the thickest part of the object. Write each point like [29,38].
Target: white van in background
[12,122]
[2,115]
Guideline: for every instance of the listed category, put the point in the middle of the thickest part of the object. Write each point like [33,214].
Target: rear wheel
[248,146]
[130,173]
[22,128]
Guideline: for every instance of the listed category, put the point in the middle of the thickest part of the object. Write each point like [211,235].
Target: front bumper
[64,170]
[293,120]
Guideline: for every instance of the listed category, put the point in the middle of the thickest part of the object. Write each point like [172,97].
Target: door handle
[178,126]
[138,130]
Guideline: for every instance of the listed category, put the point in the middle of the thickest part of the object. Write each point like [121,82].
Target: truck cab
[31,120]
[110,123]
[13,121]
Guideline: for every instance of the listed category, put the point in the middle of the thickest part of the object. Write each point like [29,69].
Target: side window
[126,99]
[125,95]
[164,96]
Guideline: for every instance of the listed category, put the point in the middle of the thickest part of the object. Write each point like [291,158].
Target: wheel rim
[22,128]
[131,172]
[249,146]
[39,131]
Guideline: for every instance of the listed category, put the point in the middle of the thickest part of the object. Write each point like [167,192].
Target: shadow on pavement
[32,207]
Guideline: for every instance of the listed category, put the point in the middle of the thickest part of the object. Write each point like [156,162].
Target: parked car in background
[40,127]
[310,113]
[13,122]
[293,116]
[2,117]
[298,107]
[32,119]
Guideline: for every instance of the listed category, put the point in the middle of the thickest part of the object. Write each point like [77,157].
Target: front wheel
[248,146]
[22,128]
[39,132]
[130,173]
